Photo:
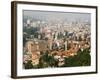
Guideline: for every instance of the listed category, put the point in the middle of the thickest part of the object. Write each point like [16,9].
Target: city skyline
[57,16]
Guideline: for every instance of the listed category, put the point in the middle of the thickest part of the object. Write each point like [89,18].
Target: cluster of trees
[82,58]
[29,31]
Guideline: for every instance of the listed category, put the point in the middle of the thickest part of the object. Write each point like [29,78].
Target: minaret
[66,42]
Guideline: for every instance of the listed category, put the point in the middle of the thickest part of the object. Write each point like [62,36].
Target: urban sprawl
[54,41]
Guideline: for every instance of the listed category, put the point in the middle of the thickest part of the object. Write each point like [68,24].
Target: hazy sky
[50,15]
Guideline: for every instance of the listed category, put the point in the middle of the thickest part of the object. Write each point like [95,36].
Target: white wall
[5,40]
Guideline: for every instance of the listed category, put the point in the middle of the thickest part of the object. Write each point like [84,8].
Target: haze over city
[56,16]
